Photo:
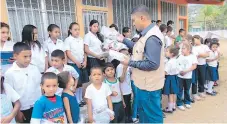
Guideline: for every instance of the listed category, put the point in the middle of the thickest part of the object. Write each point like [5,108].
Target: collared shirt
[213,55]
[76,46]
[171,67]
[201,49]
[153,55]
[93,43]
[8,46]
[50,46]
[26,82]
[38,57]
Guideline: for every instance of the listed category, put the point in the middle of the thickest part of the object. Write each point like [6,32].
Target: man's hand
[125,61]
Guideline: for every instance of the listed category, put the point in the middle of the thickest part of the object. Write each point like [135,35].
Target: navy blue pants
[200,74]
[184,85]
[135,101]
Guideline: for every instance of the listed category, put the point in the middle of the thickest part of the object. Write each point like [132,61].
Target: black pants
[184,85]
[91,62]
[27,115]
[119,112]
[128,111]
[200,73]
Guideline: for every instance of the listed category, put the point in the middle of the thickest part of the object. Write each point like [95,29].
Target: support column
[159,10]
[110,12]
[4,12]
[79,15]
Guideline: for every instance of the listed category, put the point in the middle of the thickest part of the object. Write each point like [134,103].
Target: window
[99,3]
[182,10]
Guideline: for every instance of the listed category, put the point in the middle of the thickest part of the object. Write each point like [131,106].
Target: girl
[202,52]
[116,96]
[100,108]
[6,46]
[187,63]
[93,46]
[53,43]
[171,87]
[39,57]
[72,109]
[212,72]
[168,39]
[8,96]
[49,107]
[127,32]
[74,46]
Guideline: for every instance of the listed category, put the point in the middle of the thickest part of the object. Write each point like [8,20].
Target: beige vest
[148,80]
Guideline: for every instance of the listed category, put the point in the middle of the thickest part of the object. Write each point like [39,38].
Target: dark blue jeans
[135,101]
[149,106]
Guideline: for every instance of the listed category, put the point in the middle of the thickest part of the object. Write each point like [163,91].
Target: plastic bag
[102,115]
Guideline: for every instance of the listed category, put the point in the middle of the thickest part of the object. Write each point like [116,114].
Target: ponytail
[99,35]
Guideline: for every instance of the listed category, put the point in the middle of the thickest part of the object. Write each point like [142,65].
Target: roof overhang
[214,2]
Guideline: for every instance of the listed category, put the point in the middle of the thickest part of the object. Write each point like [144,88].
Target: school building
[41,13]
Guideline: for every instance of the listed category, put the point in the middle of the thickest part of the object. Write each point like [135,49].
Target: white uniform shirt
[26,82]
[98,96]
[50,46]
[67,68]
[115,86]
[76,46]
[213,55]
[201,49]
[93,43]
[126,85]
[172,66]
[186,62]
[168,41]
[38,57]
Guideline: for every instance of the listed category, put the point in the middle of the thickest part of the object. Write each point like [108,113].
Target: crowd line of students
[44,82]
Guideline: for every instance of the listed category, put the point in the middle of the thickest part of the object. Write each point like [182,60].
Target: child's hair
[123,49]
[51,27]
[189,37]
[125,30]
[201,40]
[170,22]
[108,64]
[213,43]
[70,27]
[48,75]
[215,40]
[19,46]
[100,37]
[174,50]
[207,41]
[63,79]
[169,29]
[158,21]
[195,37]
[181,30]
[188,46]
[58,53]
[6,26]
[153,21]
[115,26]
[2,87]
[95,68]
[162,27]
[28,37]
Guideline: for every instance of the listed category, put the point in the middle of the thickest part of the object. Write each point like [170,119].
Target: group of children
[61,68]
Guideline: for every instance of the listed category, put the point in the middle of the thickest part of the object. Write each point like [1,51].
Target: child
[72,109]
[39,57]
[124,75]
[212,72]
[187,63]
[220,54]
[180,37]
[53,42]
[25,79]
[6,46]
[127,32]
[171,86]
[77,58]
[202,52]
[49,107]
[58,66]
[99,105]
[168,40]
[8,96]
[116,96]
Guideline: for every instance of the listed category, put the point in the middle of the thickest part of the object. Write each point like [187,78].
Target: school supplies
[116,55]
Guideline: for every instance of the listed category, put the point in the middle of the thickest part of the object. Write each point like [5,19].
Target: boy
[58,66]
[123,74]
[25,79]
[180,37]
[116,96]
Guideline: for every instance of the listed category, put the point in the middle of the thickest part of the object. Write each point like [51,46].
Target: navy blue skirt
[83,74]
[171,85]
[212,73]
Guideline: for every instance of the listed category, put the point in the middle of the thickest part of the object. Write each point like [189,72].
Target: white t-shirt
[172,66]
[168,41]
[38,57]
[212,55]
[186,62]
[93,43]
[126,85]
[10,96]
[49,46]
[115,86]
[76,46]
[98,96]
[201,49]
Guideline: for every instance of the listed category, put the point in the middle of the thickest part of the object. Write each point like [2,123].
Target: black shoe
[211,94]
[81,105]
[167,111]
[192,101]
[83,102]
[174,109]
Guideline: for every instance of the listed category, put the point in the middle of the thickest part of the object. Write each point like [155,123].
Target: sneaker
[211,94]
[188,106]
[135,120]
[167,111]
[202,95]
[192,101]
[196,97]
[181,108]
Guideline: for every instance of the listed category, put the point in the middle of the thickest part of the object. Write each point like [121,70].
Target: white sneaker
[188,106]
[181,108]
[196,97]
[202,95]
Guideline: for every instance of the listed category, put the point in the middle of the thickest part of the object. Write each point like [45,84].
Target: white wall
[221,34]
